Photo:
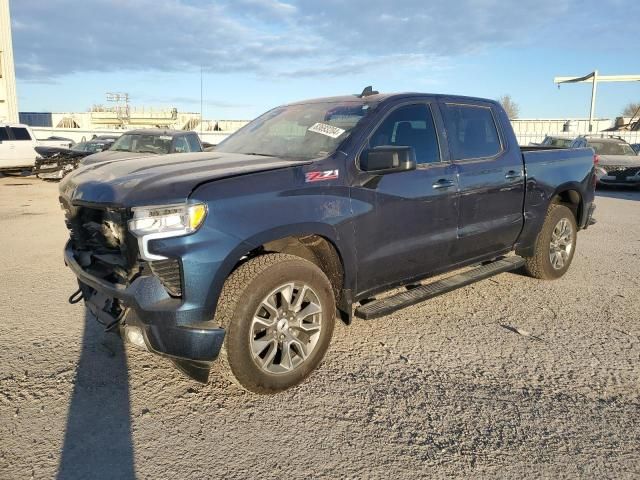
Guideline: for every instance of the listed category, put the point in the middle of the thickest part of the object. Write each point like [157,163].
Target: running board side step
[386,306]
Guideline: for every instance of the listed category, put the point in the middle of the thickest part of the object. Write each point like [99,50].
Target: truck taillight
[596,159]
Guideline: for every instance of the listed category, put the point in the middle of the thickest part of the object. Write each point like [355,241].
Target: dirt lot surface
[509,377]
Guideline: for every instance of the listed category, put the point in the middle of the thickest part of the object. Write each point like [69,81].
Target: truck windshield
[143,143]
[611,148]
[303,131]
[557,142]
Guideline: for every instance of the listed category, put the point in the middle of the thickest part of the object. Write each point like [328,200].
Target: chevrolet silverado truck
[307,214]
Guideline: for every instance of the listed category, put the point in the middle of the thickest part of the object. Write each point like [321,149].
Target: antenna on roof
[368,91]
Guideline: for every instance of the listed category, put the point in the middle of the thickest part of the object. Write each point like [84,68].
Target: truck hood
[160,179]
[112,155]
[620,160]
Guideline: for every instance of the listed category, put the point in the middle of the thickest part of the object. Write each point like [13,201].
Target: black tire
[242,296]
[540,265]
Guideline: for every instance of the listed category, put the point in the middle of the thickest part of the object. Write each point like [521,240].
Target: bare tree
[631,109]
[509,106]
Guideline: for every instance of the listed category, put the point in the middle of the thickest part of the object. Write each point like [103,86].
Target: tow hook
[76,297]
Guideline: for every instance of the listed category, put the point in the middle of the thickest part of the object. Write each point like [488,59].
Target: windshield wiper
[146,151]
[120,150]
[257,154]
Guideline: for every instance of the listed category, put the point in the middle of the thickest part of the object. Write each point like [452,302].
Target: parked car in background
[555,141]
[618,163]
[53,163]
[308,212]
[17,146]
[144,142]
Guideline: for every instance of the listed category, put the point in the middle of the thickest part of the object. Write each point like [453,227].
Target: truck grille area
[105,249]
[169,274]
[101,244]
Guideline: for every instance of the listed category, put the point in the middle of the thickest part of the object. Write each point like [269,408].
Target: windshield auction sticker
[328,130]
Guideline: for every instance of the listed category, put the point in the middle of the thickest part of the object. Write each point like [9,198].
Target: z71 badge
[320,176]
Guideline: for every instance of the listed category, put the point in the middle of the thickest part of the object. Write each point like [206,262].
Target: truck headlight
[150,223]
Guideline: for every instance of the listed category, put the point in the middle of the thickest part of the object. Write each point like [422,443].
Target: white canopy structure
[595,78]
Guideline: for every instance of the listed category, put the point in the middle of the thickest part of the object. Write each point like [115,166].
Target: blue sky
[256,54]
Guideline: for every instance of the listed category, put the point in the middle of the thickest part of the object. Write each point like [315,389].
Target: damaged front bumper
[147,316]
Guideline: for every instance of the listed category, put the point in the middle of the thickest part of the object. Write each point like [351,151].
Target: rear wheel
[279,312]
[555,245]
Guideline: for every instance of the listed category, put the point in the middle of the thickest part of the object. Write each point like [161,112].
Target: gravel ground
[508,377]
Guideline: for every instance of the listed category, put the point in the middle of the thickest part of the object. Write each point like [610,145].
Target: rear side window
[20,133]
[180,145]
[194,144]
[410,126]
[4,134]
[472,131]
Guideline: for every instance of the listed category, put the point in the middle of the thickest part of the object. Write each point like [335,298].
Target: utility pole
[594,78]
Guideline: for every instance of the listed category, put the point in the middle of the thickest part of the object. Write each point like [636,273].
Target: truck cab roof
[386,97]
[156,131]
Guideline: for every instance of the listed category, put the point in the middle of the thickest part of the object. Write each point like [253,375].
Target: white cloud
[273,38]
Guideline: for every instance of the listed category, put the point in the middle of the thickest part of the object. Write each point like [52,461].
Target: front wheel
[279,312]
[555,245]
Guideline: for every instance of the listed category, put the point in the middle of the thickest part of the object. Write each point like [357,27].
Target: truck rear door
[491,180]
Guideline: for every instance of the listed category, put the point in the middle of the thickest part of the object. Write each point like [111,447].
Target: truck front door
[491,178]
[405,222]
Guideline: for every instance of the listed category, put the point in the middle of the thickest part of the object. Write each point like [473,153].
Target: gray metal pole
[594,89]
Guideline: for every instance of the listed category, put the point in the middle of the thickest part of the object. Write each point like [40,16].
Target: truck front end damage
[140,299]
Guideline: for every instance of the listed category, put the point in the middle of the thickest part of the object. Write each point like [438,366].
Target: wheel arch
[569,195]
[315,243]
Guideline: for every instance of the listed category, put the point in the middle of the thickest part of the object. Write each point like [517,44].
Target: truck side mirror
[388,159]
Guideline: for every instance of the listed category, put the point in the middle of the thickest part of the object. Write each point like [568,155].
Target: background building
[8,97]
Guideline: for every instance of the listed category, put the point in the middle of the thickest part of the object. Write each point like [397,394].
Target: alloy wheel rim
[561,244]
[285,328]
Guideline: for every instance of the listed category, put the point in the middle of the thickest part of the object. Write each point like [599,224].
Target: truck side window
[194,144]
[20,133]
[4,134]
[180,145]
[410,126]
[472,131]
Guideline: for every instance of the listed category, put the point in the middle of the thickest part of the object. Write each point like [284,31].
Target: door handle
[443,183]
[512,175]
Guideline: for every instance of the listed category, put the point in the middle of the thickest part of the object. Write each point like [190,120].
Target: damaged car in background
[53,163]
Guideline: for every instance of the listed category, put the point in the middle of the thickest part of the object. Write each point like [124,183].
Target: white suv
[17,146]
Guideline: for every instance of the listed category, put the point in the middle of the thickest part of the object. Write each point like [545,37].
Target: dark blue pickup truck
[305,215]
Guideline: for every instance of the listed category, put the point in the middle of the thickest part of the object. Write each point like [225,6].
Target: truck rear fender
[567,194]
